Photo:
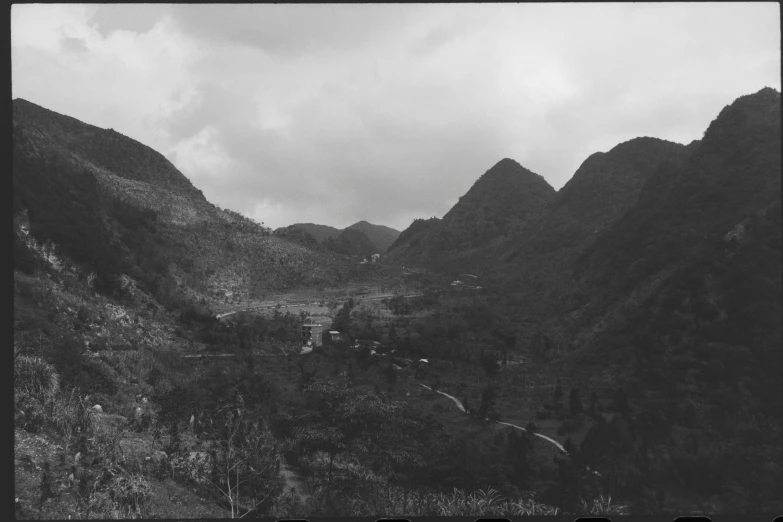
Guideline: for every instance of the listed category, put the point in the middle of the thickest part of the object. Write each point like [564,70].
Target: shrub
[131,493]
[36,379]
[36,389]
[602,506]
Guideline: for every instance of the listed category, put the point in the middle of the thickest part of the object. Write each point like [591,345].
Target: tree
[621,401]
[347,419]
[363,357]
[487,408]
[569,446]
[342,321]
[392,335]
[575,402]
[243,458]
[558,393]
[391,375]
[593,403]
[521,452]
[489,364]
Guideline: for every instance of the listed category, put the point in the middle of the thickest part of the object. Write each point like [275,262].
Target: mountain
[297,234]
[123,167]
[501,203]
[116,207]
[679,304]
[686,211]
[382,237]
[536,262]
[351,242]
[412,235]
[319,232]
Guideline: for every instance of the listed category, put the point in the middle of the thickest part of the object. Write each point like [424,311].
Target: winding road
[462,409]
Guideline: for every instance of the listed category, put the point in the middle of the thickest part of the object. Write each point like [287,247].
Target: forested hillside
[128,210]
[379,236]
[501,203]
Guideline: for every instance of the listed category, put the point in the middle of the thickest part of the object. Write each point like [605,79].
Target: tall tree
[575,402]
[348,420]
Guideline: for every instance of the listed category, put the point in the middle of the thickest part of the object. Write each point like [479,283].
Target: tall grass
[602,506]
[400,502]
[37,380]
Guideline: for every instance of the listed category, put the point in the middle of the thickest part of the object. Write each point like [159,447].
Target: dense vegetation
[379,236]
[499,204]
[649,349]
[351,242]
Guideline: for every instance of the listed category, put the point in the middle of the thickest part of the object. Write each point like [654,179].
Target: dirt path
[552,441]
[457,402]
[293,483]
[462,409]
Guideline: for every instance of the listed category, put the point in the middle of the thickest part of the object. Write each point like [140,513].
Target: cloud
[339,113]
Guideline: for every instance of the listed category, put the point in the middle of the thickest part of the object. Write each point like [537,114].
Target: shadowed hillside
[129,210]
[380,236]
[502,202]
[320,232]
[351,242]
[539,259]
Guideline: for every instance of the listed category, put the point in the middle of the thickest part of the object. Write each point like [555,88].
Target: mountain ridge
[380,236]
[126,193]
[500,203]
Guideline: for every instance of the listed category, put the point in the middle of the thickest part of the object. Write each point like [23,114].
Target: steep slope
[500,203]
[351,242]
[319,232]
[537,262]
[116,207]
[122,166]
[681,306]
[298,235]
[382,237]
[411,236]
[734,172]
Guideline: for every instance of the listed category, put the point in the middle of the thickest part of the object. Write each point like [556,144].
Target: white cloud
[334,114]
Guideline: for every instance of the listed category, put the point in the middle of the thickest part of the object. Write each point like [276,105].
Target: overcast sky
[338,113]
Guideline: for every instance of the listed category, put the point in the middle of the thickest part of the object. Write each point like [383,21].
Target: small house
[334,335]
[311,332]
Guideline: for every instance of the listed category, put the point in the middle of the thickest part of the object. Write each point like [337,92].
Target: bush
[125,496]
[25,259]
[37,380]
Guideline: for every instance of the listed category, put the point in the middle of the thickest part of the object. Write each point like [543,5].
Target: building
[375,258]
[334,335]
[311,332]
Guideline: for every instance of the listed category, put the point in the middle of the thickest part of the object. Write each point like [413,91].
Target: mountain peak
[746,116]
[381,236]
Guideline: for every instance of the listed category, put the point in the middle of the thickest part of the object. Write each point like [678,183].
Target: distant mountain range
[377,238]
